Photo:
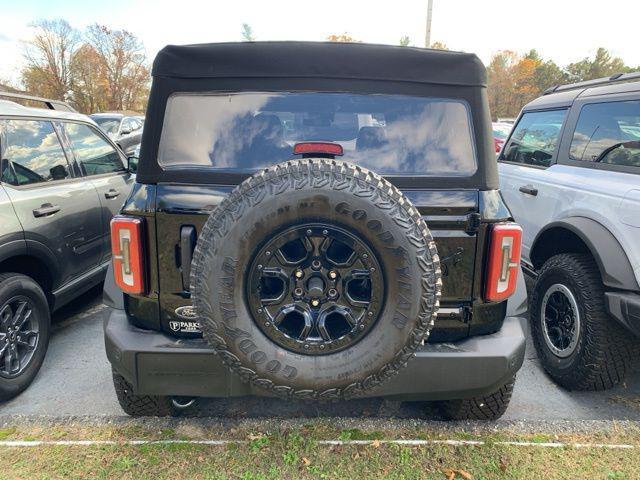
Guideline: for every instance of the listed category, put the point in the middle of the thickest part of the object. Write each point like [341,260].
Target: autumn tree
[48,55]
[89,87]
[344,37]
[122,57]
[438,46]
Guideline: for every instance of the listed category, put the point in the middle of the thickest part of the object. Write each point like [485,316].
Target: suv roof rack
[618,77]
[49,103]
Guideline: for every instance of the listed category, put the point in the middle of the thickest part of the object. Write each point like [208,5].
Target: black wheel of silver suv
[579,345]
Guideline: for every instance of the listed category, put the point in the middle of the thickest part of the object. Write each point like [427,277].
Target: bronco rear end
[316,221]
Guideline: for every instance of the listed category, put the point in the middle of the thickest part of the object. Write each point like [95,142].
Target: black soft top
[317,67]
[320,60]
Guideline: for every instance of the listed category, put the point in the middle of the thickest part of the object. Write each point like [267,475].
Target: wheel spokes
[22,314]
[27,340]
[11,359]
[6,315]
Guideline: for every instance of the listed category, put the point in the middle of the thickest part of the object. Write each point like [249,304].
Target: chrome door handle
[45,210]
[529,190]
[111,193]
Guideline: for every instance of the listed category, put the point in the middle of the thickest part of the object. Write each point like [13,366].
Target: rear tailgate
[452,216]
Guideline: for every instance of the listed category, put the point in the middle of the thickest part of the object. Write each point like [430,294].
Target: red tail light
[323,148]
[504,261]
[127,255]
[497,144]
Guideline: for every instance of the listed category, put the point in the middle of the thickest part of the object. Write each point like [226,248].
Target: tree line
[102,69]
[516,79]
[98,69]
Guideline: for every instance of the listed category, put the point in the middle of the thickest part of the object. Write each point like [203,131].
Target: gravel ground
[75,385]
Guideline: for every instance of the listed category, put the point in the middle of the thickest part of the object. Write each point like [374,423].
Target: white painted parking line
[218,443]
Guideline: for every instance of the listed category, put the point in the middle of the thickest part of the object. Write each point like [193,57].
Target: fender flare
[613,263]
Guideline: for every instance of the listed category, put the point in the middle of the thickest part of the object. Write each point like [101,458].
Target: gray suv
[61,181]
[125,131]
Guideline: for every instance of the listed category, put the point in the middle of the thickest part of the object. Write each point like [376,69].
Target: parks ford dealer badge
[188,323]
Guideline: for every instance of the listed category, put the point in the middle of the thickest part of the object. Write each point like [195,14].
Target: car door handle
[111,193]
[529,190]
[45,210]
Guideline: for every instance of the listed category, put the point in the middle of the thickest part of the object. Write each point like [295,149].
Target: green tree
[602,65]
[247,33]
[405,41]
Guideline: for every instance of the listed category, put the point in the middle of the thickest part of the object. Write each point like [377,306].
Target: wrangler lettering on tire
[315,279]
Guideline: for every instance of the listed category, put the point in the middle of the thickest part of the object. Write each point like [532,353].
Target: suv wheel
[145,405]
[484,407]
[578,343]
[24,332]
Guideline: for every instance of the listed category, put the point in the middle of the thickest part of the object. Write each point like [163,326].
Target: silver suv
[61,181]
[570,173]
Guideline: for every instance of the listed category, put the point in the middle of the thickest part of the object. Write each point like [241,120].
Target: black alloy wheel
[24,332]
[19,335]
[315,289]
[560,320]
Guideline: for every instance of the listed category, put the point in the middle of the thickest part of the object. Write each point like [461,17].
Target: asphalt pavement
[75,380]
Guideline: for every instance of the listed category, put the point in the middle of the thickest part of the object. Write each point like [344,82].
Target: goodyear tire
[315,279]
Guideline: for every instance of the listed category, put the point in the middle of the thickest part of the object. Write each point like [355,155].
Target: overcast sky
[563,30]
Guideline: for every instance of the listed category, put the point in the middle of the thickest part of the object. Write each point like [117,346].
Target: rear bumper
[156,364]
[625,308]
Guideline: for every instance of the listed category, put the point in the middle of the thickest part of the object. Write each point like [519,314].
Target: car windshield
[501,131]
[390,134]
[108,124]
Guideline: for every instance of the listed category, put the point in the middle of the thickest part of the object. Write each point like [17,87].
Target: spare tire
[315,279]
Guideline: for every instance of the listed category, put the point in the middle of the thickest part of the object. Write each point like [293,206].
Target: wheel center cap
[315,286]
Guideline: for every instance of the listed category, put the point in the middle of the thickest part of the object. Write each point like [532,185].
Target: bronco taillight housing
[504,261]
[127,254]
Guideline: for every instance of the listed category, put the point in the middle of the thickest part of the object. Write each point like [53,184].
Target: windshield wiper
[608,150]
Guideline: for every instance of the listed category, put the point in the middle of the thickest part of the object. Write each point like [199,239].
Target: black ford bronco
[316,221]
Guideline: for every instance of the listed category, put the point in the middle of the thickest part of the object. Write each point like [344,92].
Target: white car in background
[570,173]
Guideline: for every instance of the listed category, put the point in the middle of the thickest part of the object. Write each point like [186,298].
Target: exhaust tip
[182,403]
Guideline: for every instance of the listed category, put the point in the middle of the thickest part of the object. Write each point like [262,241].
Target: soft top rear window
[390,134]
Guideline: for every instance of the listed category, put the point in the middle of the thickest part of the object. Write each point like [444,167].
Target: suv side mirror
[132,164]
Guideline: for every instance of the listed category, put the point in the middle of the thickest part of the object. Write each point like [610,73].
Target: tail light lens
[504,261]
[127,254]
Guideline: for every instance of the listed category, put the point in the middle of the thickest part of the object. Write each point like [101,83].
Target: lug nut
[333,275]
[298,292]
[299,273]
[325,232]
[309,232]
[333,292]
[316,264]
[315,302]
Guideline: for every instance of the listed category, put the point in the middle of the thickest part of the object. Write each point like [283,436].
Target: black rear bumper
[156,364]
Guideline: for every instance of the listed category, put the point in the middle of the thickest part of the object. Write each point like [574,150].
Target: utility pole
[427,37]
